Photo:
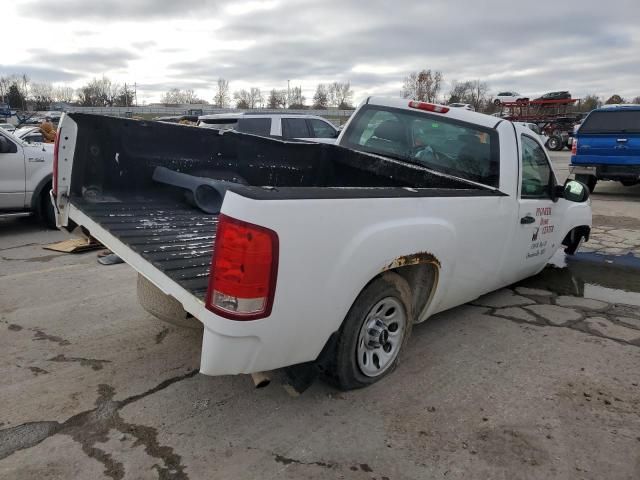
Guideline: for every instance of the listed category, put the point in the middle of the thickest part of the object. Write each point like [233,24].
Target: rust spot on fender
[413,259]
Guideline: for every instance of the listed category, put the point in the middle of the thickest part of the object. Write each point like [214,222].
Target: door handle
[527,220]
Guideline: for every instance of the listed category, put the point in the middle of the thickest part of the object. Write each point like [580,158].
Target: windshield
[620,121]
[436,142]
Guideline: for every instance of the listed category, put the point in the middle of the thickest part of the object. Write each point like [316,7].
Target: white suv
[283,125]
[509,97]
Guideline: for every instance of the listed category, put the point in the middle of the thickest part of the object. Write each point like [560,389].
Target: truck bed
[175,238]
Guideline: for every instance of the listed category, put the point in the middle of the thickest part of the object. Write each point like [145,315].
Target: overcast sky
[585,46]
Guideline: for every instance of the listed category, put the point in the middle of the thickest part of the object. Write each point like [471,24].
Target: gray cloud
[93,61]
[39,74]
[114,9]
[531,47]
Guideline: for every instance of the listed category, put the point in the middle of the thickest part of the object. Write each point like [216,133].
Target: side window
[256,126]
[536,172]
[295,128]
[322,129]
[7,146]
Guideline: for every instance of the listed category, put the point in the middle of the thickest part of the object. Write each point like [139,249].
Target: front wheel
[372,334]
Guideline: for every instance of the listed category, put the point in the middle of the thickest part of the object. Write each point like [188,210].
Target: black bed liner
[175,238]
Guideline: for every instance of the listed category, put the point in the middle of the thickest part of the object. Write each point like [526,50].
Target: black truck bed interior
[112,183]
[174,237]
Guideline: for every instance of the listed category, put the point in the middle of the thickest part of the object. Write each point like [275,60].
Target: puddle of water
[610,278]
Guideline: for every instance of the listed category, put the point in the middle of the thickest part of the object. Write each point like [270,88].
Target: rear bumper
[607,172]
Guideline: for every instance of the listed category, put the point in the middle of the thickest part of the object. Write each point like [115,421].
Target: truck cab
[25,178]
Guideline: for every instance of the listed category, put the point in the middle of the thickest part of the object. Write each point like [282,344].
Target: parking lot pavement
[538,380]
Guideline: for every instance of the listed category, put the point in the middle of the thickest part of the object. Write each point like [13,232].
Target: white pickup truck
[25,178]
[320,253]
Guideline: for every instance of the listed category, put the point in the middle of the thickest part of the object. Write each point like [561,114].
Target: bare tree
[277,99]
[5,82]
[340,95]
[590,102]
[636,100]
[175,96]
[460,92]
[423,86]
[63,94]
[255,98]
[478,94]
[251,98]
[614,100]
[41,95]
[321,97]
[221,98]
[296,99]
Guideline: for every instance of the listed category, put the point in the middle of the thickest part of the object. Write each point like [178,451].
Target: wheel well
[37,193]
[422,279]
[572,238]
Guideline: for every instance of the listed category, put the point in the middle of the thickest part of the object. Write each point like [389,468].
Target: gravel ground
[538,380]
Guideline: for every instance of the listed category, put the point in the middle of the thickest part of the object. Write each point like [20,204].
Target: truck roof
[455,113]
[624,106]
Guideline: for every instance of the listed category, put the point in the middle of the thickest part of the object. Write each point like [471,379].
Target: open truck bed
[114,161]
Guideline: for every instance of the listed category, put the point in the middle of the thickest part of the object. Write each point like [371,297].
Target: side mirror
[4,145]
[575,191]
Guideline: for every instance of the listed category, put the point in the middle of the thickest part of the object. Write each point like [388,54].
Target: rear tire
[554,143]
[629,183]
[352,363]
[589,180]
[496,102]
[164,307]
[46,210]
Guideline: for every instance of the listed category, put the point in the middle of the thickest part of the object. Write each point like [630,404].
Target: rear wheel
[589,180]
[46,210]
[496,102]
[163,306]
[554,143]
[629,183]
[372,334]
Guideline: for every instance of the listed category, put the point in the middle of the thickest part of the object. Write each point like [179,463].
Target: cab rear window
[612,122]
[439,143]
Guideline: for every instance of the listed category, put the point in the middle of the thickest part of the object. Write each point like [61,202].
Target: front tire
[373,333]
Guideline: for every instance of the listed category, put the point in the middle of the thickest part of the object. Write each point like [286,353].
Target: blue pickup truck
[5,111]
[607,146]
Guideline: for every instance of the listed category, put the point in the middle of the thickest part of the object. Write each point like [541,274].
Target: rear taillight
[574,146]
[429,107]
[56,146]
[244,269]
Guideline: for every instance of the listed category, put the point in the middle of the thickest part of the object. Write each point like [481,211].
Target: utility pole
[288,94]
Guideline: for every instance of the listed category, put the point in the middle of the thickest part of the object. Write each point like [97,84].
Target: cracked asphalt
[538,380]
